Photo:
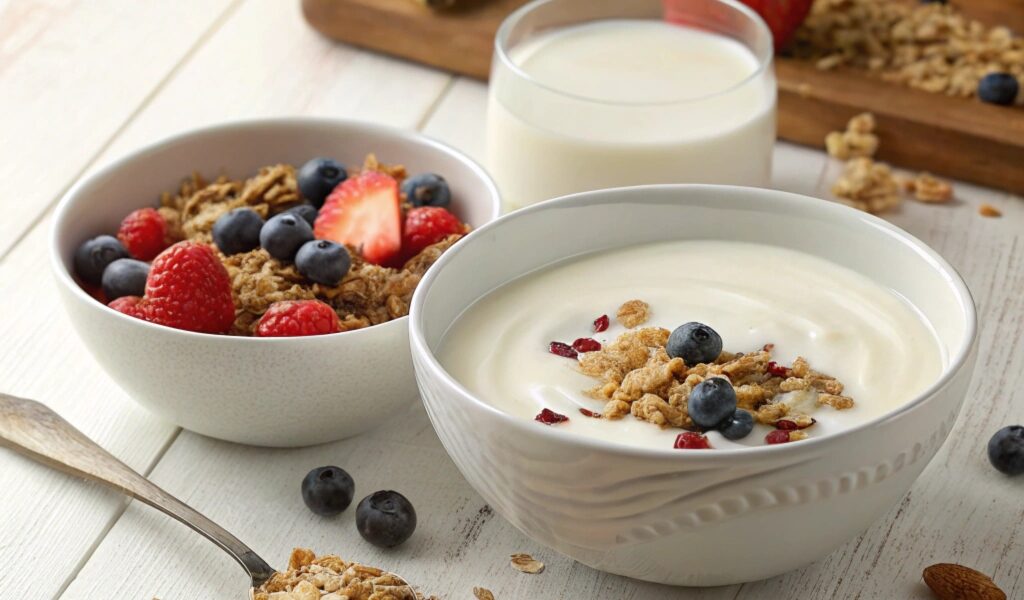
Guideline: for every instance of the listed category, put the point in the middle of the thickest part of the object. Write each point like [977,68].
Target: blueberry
[306,211]
[318,177]
[385,519]
[998,88]
[1006,450]
[427,189]
[282,235]
[238,231]
[125,277]
[711,402]
[93,256]
[695,343]
[323,262]
[327,490]
[738,426]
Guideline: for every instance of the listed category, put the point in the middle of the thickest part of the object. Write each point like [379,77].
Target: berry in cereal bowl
[251,281]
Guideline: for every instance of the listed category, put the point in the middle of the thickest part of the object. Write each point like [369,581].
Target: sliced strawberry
[363,211]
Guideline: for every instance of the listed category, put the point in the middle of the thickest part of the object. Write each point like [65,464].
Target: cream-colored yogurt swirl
[865,335]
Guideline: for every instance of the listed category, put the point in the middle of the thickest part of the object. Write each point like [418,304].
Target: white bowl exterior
[709,518]
[272,392]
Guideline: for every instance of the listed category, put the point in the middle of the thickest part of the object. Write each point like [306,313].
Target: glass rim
[502,54]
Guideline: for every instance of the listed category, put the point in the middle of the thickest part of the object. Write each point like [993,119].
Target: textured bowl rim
[838,212]
[110,168]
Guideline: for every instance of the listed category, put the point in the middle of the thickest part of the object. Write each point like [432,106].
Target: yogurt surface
[844,324]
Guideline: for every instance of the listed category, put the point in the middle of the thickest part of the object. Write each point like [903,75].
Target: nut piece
[526,564]
[987,210]
[483,593]
[929,188]
[858,141]
[868,185]
[957,582]
[633,313]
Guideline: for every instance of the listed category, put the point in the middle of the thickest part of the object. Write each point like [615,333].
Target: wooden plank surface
[71,73]
[955,137]
[55,528]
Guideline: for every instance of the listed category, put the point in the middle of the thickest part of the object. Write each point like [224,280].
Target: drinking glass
[545,138]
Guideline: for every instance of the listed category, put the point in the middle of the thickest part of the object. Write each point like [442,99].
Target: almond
[957,582]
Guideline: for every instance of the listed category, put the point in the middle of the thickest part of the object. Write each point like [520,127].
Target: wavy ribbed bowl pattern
[708,518]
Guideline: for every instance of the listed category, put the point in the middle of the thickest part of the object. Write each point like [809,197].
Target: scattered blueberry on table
[328,491]
[1006,450]
[385,519]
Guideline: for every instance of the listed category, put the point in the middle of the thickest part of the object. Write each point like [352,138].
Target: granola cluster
[869,185]
[331,578]
[927,46]
[368,295]
[637,377]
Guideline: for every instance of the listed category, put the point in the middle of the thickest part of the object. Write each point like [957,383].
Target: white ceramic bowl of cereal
[689,517]
[263,391]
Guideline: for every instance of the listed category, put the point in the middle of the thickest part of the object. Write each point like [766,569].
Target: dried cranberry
[586,345]
[779,436]
[586,412]
[550,417]
[691,440]
[601,323]
[777,370]
[787,425]
[563,350]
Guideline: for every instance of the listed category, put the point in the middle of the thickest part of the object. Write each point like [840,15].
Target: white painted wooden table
[82,82]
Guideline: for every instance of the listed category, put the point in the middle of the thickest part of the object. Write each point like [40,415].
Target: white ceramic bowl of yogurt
[638,508]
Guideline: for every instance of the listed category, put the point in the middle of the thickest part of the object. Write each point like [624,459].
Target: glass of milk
[591,94]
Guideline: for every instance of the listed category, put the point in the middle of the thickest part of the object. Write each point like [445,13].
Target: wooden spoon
[32,429]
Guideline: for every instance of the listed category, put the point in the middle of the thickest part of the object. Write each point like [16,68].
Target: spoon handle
[34,430]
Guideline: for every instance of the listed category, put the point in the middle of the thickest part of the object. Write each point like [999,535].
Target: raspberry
[691,440]
[144,233]
[290,318]
[428,225]
[129,305]
[188,288]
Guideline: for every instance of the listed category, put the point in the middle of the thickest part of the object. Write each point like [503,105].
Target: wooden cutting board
[953,137]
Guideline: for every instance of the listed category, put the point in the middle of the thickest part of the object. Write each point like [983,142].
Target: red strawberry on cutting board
[783,17]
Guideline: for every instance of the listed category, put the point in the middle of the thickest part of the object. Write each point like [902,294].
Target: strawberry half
[363,211]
